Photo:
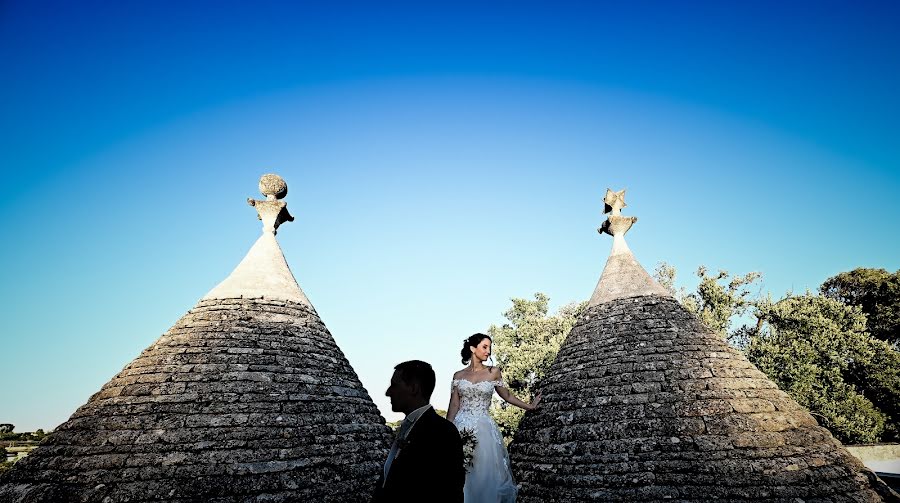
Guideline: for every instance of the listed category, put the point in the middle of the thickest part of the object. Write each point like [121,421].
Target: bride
[489,479]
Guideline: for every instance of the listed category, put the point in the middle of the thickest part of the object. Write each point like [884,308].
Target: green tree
[879,380]
[524,348]
[718,300]
[877,293]
[665,275]
[4,464]
[6,428]
[817,350]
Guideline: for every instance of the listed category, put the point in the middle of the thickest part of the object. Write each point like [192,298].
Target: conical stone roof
[644,403]
[246,398]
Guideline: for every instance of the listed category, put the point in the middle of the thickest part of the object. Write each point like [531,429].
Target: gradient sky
[441,159]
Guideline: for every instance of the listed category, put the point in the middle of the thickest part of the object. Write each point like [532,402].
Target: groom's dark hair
[419,373]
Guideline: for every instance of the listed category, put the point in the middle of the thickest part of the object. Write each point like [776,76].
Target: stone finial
[264,273]
[623,276]
[614,202]
[615,224]
[272,186]
[272,211]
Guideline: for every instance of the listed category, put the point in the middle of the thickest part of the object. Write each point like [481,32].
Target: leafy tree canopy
[524,348]
[877,293]
[817,349]
[718,300]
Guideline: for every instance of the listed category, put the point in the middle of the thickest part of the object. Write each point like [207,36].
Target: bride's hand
[536,402]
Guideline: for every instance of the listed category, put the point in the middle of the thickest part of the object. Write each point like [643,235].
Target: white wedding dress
[489,479]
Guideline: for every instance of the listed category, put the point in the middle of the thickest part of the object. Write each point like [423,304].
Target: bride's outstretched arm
[507,395]
[453,408]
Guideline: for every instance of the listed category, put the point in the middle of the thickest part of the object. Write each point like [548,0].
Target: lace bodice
[475,398]
[489,478]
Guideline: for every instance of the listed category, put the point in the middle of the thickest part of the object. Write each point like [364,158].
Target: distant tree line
[7,434]
[9,438]
[396,424]
[834,351]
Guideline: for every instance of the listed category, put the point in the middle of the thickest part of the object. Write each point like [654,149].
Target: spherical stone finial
[272,186]
[272,211]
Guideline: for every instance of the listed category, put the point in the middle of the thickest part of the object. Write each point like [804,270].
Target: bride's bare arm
[453,408]
[507,395]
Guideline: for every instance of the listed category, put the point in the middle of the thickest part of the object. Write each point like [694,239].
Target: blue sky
[440,160]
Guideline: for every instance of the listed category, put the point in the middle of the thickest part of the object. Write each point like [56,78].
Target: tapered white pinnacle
[623,276]
[264,273]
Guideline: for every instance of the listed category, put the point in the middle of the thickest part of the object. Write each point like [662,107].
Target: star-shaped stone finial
[615,224]
[614,202]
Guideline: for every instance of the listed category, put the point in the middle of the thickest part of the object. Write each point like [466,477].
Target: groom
[426,460]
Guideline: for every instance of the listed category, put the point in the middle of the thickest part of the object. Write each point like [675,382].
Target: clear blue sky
[441,159]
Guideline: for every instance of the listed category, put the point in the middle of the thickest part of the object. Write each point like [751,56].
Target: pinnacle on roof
[264,273]
[623,276]
[644,403]
[246,398]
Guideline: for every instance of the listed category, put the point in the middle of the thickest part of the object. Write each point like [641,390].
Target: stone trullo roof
[643,403]
[246,398]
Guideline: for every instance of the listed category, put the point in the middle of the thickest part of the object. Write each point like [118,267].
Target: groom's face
[402,395]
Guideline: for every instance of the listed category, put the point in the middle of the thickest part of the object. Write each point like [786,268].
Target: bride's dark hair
[472,341]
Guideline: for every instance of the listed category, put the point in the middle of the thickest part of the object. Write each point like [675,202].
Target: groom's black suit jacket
[429,467]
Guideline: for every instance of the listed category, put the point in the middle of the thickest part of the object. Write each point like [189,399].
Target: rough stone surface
[273,186]
[643,403]
[241,400]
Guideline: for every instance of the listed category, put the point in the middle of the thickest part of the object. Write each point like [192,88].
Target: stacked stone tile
[643,403]
[246,398]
